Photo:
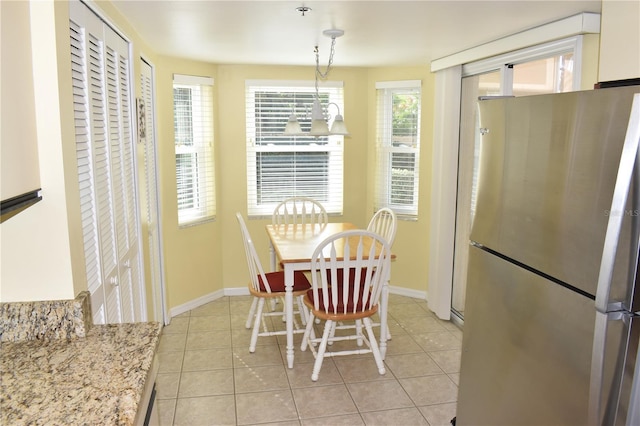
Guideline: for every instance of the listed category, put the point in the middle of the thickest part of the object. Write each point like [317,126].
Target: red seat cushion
[340,305]
[352,276]
[276,281]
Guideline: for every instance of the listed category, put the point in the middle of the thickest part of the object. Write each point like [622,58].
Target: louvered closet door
[106,167]
[153,216]
[122,166]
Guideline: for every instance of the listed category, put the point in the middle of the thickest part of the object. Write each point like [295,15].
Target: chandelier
[320,116]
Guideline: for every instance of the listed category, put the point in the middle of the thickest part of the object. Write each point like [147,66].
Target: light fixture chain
[325,74]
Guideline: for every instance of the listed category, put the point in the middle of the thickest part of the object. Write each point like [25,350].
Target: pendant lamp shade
[319,116]
[319,126]
[293,126]
[338,127]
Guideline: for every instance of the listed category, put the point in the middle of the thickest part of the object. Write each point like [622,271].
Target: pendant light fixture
[319,115]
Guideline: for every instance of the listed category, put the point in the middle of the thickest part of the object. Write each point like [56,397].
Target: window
[281,166]
[193,126]
[545,68]
[398,146]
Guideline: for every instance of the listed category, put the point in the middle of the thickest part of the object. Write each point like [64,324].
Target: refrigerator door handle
[633,417]
[598,363]
[629,157]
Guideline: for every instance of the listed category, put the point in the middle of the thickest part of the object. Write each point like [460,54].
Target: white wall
[35,250]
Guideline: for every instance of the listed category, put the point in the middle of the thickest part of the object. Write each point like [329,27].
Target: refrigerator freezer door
[526,349]
[547,173]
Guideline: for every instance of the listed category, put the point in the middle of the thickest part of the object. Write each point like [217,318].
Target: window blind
[193,126]
[281,166]
[398,146]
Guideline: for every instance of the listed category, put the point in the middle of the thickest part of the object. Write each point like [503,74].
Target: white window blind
[398,146]
[193,126]
[281,166]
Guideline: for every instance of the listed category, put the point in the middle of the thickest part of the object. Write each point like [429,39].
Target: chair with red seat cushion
[357,256]
[384,223]
[268,285]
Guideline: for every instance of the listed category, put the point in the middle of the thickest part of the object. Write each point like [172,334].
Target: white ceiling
[377,33]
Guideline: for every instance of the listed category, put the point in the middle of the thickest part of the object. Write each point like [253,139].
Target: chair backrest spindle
[362,258]
[384,222]
[299,210]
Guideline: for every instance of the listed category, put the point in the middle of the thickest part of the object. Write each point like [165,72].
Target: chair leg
[333,333]
[374,345]
[252,311]
[359,332]
[302,310]
[307,332]
[321,350]
[256,326]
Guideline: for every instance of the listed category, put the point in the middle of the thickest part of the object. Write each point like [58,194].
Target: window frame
[332,145]
[202,192]
[385,149]
[505,61]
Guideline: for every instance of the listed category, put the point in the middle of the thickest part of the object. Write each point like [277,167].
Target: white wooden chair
[301,210]
[384,223]
[298,210]
[268,285]
[347,253]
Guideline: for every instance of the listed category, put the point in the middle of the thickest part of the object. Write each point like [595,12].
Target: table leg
[272,257]
[384,303]
[288,305]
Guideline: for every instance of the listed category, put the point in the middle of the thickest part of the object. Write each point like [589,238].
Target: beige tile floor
[208,377]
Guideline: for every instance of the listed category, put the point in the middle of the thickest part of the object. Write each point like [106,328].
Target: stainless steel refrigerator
[552,324]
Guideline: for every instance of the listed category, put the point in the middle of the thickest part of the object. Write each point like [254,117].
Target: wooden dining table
[293,245]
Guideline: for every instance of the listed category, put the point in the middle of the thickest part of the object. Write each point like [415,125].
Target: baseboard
[192,304]
[244,291]
[236,291]
[401,291]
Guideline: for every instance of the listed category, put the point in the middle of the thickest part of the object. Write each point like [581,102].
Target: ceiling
[377,33]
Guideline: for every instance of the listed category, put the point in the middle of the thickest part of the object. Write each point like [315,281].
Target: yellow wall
[20,171]
[620,40]
[192,255]
[411,246]
[231,144]
[358,149]
[46,238]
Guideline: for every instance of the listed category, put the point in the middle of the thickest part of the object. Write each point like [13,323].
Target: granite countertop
[96,379]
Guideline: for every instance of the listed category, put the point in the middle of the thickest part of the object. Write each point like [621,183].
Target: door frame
[157,276]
